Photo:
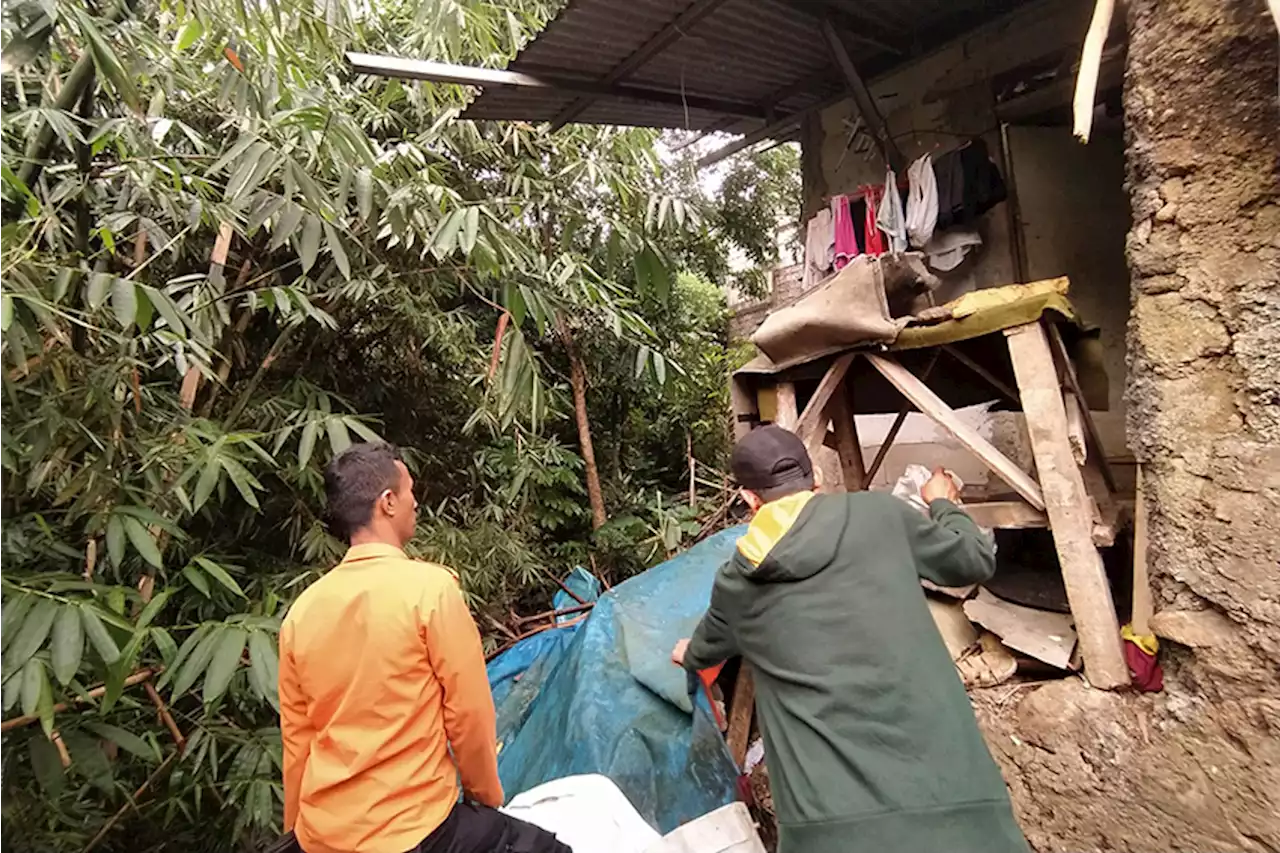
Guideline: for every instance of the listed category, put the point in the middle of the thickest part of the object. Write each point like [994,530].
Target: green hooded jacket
[869,736]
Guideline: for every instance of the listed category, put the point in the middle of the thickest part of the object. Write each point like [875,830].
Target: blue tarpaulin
[602,696]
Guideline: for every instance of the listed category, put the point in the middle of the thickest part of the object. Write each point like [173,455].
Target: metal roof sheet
[767,53]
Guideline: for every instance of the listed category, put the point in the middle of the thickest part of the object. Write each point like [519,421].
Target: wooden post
[786,416]
[1067,505]
[847,443]
[743,403]
[931,404]
[813,422]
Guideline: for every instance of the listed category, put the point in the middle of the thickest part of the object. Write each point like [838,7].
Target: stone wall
[1196,767]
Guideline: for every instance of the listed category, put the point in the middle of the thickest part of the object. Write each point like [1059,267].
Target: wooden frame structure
[1073,494]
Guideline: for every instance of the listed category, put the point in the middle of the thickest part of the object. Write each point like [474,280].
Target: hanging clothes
[922,201]
[969,184]
[948,248]
[846,245]
[819,245]
[873,243]
[889,216]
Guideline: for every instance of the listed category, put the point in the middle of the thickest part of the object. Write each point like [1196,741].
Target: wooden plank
[1142,605]
[1042,634]
[1067,505]
[785,415]
[743,405]
[992,380]
[931,404]
[957,631]
[848,446]
[863,100]
[895,428]
[1075,427]
[744,704]
[1006,515]
[815,414]
[1073,383]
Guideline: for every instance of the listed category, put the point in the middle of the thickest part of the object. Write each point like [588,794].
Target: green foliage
[224,259]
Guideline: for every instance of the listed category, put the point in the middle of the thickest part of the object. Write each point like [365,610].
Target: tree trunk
[578,381]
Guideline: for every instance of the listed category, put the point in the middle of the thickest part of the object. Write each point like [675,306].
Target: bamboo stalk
[27,719]
[163,710]
[133,801]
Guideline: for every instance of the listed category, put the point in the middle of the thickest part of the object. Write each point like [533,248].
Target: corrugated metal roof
[768,53]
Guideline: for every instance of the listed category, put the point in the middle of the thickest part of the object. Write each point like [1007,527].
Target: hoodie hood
[765,552]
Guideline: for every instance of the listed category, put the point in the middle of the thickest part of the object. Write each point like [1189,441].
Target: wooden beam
[1059,348]
[743,405]
[785,415]
[1006,515]
[661,40]
[862,99]
[895,428]
[769,131]
[553,79]
[815,414]
[991,378]
[744,704]
[849,448]
[1067,505]
[929,403]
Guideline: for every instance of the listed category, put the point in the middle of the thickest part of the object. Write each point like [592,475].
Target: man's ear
[386,503]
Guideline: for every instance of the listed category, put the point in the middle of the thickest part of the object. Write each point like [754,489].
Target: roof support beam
[442,72]
[769,131]
[664,38]
[862,99]
[769,102]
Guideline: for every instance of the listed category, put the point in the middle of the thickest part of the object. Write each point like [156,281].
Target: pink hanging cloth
[874,239]
[846,248]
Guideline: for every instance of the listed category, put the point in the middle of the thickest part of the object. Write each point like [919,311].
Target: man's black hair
[353,482]
[804,484]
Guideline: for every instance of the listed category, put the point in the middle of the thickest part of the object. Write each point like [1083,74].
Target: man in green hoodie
[871,742]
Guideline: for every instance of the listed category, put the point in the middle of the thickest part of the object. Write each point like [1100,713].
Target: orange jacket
[381,676]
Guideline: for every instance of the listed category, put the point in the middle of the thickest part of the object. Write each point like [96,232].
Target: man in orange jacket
[385,709]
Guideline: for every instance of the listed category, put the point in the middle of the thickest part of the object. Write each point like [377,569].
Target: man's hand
[677,654]
[940,486]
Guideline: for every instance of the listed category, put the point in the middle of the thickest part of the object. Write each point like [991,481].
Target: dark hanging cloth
[969,184]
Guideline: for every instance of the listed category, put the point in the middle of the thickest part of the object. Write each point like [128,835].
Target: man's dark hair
[353,481]
[773,463]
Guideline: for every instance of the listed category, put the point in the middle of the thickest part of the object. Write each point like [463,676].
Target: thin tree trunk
[578,381]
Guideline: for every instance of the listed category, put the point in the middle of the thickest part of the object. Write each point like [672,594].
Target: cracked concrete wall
[1196,767]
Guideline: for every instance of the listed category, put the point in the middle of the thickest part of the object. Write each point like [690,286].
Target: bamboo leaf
[166,308]
[165,645]
[34,683]
[338,438]
[446,237]
[99,285]
[15,610]
[244,482]
[309,244]
[187,36]
[223,664]
[98,635]
[198,580]
[46,764]
[264,668]
[196,663]
[153,608]
[31,636]
[6,312]
[124,301]
[208,481]
[109,66]
[285,225]
[471,227]
[307,443]
[67,648]
[188,646]
[126,740]
[220,574]
[143,542]
[116,539]
[339,253]
[364,193]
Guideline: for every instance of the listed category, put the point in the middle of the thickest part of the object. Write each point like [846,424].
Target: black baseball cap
[770,457]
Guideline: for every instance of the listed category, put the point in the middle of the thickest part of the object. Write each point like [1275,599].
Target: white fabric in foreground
[588,813]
